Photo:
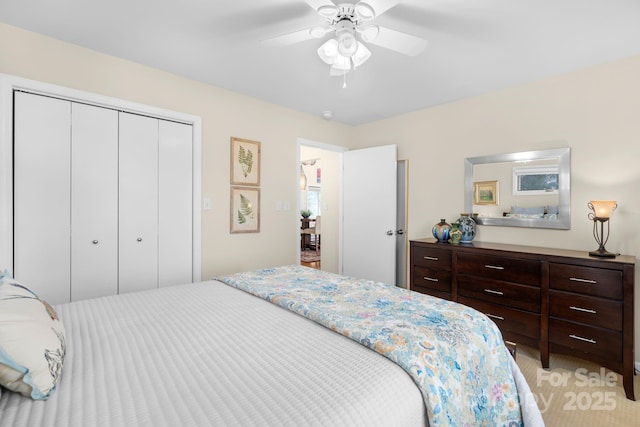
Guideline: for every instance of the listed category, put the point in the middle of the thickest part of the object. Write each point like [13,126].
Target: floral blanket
[454,354]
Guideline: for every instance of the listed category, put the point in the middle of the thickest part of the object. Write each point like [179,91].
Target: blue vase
[468,228]
[442,231]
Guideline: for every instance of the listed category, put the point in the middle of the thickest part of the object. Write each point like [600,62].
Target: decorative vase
[441,231]
[467,227]
[456,233]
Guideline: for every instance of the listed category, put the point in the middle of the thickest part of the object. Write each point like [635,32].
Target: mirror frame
[564,191]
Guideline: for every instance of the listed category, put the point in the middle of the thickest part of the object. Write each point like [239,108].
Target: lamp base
[602,253]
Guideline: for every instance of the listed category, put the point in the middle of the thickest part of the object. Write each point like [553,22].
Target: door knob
[401,231]
[389,232]
[139,239]
[95,242]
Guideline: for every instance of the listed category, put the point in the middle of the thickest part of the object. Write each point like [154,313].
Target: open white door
[369,213]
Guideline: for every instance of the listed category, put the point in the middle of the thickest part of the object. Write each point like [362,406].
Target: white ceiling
[474,46]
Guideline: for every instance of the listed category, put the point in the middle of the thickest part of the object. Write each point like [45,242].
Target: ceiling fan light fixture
[336,72]
[370,33]
[347,43]
[365,11]
[328,51]
[361,56]
[342,63]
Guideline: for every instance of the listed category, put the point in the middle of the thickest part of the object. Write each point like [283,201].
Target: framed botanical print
[245,162]
[245,210]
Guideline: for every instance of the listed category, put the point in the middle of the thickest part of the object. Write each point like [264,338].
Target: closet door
[138,209]
[175,203]
[94,202]
[42,195]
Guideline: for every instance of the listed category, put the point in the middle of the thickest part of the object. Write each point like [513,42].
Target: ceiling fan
[349,21]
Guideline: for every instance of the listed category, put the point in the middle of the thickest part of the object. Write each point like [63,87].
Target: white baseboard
[637,366]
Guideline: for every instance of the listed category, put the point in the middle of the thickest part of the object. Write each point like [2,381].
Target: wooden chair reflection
[310,236]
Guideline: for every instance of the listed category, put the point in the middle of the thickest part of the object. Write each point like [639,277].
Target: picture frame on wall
[245,162]
[245,210]
[485,193]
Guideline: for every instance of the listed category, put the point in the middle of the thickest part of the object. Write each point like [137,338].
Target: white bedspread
[207,354]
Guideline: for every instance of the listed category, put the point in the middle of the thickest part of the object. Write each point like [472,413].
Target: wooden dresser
[555,300]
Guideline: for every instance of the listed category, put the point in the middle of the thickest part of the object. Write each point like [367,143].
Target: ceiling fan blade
[398,41]
[380,6]
[290,38]
[317,4]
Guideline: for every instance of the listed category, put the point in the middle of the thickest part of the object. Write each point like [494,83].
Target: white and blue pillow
[32,341]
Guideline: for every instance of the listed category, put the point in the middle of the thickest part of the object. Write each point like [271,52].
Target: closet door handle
[95,242]
[139,239]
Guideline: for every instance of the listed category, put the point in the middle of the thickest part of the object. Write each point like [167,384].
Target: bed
[215,353]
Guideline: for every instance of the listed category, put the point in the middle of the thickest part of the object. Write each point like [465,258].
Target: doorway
[324,194]
[319,174]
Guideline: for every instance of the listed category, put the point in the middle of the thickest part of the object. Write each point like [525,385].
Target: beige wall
[593,111]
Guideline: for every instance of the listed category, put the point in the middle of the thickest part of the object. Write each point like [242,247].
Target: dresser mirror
[526,189]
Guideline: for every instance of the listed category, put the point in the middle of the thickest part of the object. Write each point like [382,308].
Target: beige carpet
[574,392]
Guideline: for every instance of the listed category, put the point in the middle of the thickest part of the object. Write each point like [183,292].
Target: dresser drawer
[510,294]
[604,343]
[432,278]
[601,312]
[432,292]
[507,319]
[500,268]
[586,280]
[431,257]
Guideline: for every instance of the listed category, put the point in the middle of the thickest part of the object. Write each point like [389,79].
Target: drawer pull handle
[431,258]
[491,291]
[494,267]
[493,316]
[585,310]
[576,337]
[431,279]
[577,279]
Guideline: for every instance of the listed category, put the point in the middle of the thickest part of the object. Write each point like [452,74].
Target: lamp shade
[603,208]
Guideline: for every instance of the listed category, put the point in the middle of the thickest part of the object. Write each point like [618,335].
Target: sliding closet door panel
[138,211]
[94,201]
[42,183]
[175,203]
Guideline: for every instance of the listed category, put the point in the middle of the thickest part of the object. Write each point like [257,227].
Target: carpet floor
[574,392]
